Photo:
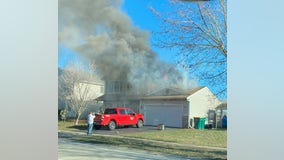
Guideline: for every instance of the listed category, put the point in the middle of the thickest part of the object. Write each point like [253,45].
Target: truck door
[132,119]
[123,116]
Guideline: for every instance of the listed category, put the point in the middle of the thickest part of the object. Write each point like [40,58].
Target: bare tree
[75,87]
[197,31]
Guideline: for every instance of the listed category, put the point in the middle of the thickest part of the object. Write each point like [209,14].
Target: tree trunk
[77,119]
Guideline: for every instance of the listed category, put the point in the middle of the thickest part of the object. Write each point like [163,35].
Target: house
[177,108]
[170,106]
[88,91]
[221,111]
[120,93]
[85,90]
[96,89]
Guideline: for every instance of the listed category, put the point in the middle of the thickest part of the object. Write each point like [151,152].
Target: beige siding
[200,103]
[88,90]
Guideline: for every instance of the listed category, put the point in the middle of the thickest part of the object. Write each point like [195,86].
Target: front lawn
[212,138]
[69,125]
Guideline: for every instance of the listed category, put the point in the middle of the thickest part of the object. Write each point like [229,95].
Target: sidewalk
[70,133]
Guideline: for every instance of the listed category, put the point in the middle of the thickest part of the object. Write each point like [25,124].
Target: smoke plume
[102,34]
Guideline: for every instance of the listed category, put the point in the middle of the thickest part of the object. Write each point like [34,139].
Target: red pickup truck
[113,117]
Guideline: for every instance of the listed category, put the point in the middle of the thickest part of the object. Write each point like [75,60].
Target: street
[70,150]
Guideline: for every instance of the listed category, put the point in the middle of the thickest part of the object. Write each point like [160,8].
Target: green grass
[210,138]
[69,125]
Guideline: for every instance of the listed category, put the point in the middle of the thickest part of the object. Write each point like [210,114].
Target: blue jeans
[90,128]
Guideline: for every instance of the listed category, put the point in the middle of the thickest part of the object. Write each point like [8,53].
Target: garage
[170,115]
[177,108]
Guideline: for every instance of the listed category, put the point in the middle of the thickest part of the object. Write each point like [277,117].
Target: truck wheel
[111,125]
[97,127]
[139,123]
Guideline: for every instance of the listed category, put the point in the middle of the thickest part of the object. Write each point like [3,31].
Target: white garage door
[170,115]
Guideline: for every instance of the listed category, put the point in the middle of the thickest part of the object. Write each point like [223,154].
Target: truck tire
[111,125]
[139,123]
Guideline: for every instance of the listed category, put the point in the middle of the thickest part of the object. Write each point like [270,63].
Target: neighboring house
[94,90]
[177,108]
[90,90]
[87,90]
[221,111]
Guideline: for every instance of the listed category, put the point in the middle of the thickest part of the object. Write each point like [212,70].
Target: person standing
[90,119]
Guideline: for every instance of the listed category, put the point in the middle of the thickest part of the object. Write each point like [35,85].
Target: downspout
[189,117]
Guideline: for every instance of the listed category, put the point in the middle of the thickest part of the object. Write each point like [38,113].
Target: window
[129,112]
[122,111]
[114,86]
[110,111]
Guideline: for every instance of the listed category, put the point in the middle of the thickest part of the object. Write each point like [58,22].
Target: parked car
[113,117]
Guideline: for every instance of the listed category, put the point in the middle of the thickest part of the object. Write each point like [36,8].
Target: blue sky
[145,19]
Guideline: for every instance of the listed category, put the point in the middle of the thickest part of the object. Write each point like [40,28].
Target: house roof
[222,106]
[171,93]
[115,97]
[165,97]
[95,80]
[164,93]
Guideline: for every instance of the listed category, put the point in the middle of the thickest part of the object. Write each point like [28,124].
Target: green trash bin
[196,122]
[199,123]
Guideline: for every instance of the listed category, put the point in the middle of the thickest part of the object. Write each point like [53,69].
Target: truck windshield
[110,111]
